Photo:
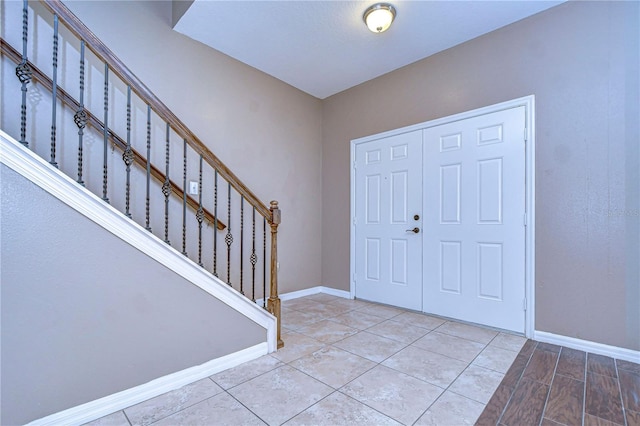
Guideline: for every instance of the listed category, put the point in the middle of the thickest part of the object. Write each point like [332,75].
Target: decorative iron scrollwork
[253,259]
[228,239]
[200,215]
[127,156]
[24,72]
[81,118]
[166,188]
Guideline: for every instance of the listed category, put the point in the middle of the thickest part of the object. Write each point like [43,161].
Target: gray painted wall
[85,315]
[580,60]
[267,132]
[178,8]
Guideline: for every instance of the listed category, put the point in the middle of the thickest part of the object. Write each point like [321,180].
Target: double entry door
[439,217]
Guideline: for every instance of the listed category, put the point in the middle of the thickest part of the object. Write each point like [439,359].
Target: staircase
[75,105]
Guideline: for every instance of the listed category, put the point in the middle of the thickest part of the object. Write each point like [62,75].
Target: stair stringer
[38,171]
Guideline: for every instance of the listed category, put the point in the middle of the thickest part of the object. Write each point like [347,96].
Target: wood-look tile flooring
[551,385]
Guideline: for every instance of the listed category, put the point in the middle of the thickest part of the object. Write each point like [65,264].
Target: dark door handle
[414,230]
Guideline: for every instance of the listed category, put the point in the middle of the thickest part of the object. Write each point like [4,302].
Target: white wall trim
[118,401]
[312,290]
[588,346]
[530,213]
[300,293]
[28,164]
[529,103]
[352,217]
[335,292]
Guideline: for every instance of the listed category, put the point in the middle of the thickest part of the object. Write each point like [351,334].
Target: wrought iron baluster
[215,222]
[147,203]
[24,74]
[228,238]
[80,117]
[105,134]
[127,156]
[241,244]
[264,262]
[253,258]
[166,189]
[200,214]
[184,198]
[54,92]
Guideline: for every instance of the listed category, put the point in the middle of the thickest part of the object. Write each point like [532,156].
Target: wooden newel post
[273,304]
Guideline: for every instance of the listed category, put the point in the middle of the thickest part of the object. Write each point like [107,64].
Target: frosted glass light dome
[379,17]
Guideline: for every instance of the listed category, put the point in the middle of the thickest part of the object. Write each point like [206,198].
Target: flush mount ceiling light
[379,17]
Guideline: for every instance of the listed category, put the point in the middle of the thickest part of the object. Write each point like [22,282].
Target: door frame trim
[529,103]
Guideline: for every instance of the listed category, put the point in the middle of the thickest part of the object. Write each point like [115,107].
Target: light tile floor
[347,362]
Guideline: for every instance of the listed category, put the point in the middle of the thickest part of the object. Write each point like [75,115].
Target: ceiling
[324,47]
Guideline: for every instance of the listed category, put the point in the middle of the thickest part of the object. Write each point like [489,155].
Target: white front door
[388,204]
[474,212]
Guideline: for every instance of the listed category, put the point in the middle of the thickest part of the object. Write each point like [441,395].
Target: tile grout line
[327,384]
[178,411]
[247,408]
[447,389]
[353,353]
[347,396]
[127,417]
[624,408]
[329,319]
[584,392]
[247,380]
[443,390]
[467,367]
[513,391]
[183,408]
[553,379]
[592,373]
[262,374]
[458,376]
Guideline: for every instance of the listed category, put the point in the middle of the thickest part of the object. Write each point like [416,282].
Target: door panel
[373,199]
[399,197]
[490,191]
[399,262]
[372,259]
[451,266]
[450,194]
[388,191]
[474,205]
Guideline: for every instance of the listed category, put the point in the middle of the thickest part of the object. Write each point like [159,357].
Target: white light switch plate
[193,188]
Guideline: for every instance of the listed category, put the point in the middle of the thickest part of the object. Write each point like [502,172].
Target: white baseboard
[335,292]
[118,401]
[309,291]
[587,346]
[300,293]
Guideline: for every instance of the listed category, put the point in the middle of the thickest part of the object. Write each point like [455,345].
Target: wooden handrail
[116,66]
[15,56]
[271,214]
